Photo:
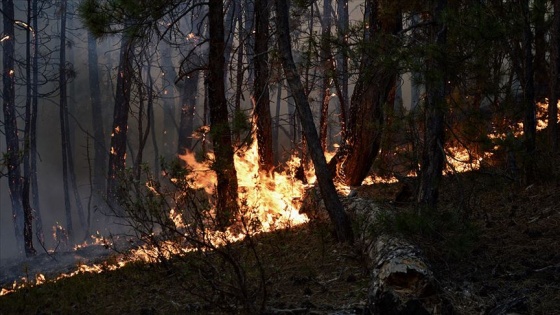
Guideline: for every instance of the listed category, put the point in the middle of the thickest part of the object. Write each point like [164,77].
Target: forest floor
[495,249]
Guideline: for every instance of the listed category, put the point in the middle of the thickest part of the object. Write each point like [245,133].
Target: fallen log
[402,281]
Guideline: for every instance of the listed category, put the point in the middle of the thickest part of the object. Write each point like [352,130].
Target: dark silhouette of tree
[324,177]
[554,71]
[325,57]
[26,185]
[117,158]
[12,156]
[33,127]
[528,83]
[223,165]
[433,155]
[261,95]
[342,27]
[97,109]
[63,116]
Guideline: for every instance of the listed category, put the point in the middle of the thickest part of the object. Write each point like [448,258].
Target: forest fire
[272,200]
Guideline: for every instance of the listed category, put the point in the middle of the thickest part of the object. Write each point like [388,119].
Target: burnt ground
[504,259]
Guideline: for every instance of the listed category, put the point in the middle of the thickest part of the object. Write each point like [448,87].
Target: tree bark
[99,146]
[325,56]
[554,69]
[63,107]
[324,177]
[542,80]
[12,159]
[361,146]
[240,71]
[433,155]
[33,132]
[117,158]
[261,95]
[223,165]
[529,119]
[276,126]
[342,27]
[27,210]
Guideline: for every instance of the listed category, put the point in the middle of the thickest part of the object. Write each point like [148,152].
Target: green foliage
[131,17]
[241,123]
[94,16]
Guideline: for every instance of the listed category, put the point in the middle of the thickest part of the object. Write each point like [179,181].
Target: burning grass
[305,267]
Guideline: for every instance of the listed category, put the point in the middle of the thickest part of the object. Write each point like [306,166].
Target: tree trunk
[10,121]
[342,27]
[328,191]
[27,210]
[276,126]
[33,132]
[376,79]
[402,280]
[240,71]
[529,119]
[117,158]
[250,40]
[325,56]
[433,155]
[63,107]
[227,207]
[542,80]
[97,109]
[261,95]
[554,69]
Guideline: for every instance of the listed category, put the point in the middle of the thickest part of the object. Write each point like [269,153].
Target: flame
[271,199]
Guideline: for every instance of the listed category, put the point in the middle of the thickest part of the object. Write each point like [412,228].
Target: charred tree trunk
[529,119]
[240,69]
[99,146]
[63,107]
[12,159]
[328,191]
[27,210]
[250,40]
[33,131]
[371,93]
[117,158]
[261,95]
[325,56]
[227,207]
[554,69]
[542,80]
[342,27]
[276,126]
[433,155]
